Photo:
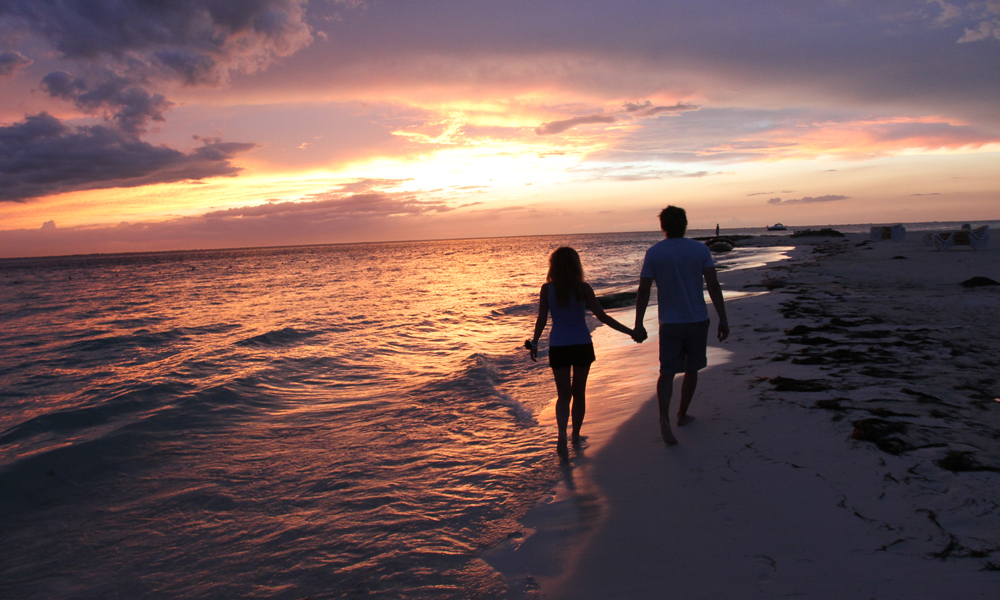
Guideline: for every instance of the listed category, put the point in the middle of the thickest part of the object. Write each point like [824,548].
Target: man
[678,265]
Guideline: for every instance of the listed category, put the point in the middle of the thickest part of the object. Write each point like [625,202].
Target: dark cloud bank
[124,50]
[42,156]
[351,212]
[11,61]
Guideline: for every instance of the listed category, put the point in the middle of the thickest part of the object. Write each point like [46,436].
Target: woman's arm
[543,318]
[596,308]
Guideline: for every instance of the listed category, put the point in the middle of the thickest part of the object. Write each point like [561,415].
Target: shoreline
[836,440]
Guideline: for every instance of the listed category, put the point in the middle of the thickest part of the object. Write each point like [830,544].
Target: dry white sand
[882,482]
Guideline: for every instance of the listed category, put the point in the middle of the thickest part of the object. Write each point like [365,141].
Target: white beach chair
[979,237]
[943,241]
[896,233]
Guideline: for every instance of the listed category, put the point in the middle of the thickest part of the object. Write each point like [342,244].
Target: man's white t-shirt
[676,265]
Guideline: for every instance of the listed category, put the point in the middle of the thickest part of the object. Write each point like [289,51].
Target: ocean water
[308,422]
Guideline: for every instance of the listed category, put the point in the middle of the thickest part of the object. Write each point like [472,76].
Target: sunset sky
[134,125]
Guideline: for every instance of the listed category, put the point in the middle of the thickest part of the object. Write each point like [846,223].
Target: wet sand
[847,447]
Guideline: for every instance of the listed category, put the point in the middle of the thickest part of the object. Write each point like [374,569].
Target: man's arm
[715,293]
[641,302]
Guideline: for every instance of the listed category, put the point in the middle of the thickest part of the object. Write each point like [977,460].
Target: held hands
[639,334]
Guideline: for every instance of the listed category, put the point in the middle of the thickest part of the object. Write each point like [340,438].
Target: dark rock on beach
[617,300]
[825,232]
[731,239]
[979,282]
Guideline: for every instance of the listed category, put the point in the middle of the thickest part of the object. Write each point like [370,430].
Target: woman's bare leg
[564,391]
[580,374]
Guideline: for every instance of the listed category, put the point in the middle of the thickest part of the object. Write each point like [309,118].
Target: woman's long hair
[566,273]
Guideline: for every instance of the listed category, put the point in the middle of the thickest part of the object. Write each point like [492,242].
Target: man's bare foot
[562,450]
[668,435]
[683,420]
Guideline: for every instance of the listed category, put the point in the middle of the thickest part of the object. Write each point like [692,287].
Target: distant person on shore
[678,265]
[716,230]
[567,297]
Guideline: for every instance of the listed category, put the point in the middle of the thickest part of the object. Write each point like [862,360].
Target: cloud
[129,105]
[330,217]
[728,135]
[628,172]
[197,42]
[981,19]
[724,53]
[555,127]
[125,50]
[362,186]
[985,31]
[11,62]
[931,134]
[768,193]
[41,156]
[335,206]
[647,109]
[808,199]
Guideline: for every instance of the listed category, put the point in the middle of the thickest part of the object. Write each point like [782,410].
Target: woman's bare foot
[683,420]
[562,450]
[668,435]
[578,439]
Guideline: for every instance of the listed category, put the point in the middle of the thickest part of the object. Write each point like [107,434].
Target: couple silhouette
[677,266]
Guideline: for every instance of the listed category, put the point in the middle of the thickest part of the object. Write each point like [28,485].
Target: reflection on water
[317,421]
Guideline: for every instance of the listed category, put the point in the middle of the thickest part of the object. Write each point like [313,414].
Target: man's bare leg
[687,394]
[664,390]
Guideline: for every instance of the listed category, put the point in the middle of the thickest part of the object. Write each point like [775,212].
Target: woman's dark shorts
[577,355]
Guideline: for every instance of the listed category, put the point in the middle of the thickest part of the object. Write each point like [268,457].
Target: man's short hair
[674,221]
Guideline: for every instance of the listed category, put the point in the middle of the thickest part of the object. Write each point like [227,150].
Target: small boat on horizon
[777,227]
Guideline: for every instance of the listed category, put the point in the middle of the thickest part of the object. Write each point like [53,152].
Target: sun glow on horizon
[386,121]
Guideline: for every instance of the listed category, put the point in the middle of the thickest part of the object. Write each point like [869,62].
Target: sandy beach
[846,444]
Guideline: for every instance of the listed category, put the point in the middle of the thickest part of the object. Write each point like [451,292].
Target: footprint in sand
[766,566]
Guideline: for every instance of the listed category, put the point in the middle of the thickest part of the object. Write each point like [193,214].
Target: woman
[567,296]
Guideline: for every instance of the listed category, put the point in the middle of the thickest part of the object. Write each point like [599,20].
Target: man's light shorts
[683,347]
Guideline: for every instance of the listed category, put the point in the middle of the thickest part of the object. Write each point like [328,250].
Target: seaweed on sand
[962,461]
[882,433]
[787,384]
